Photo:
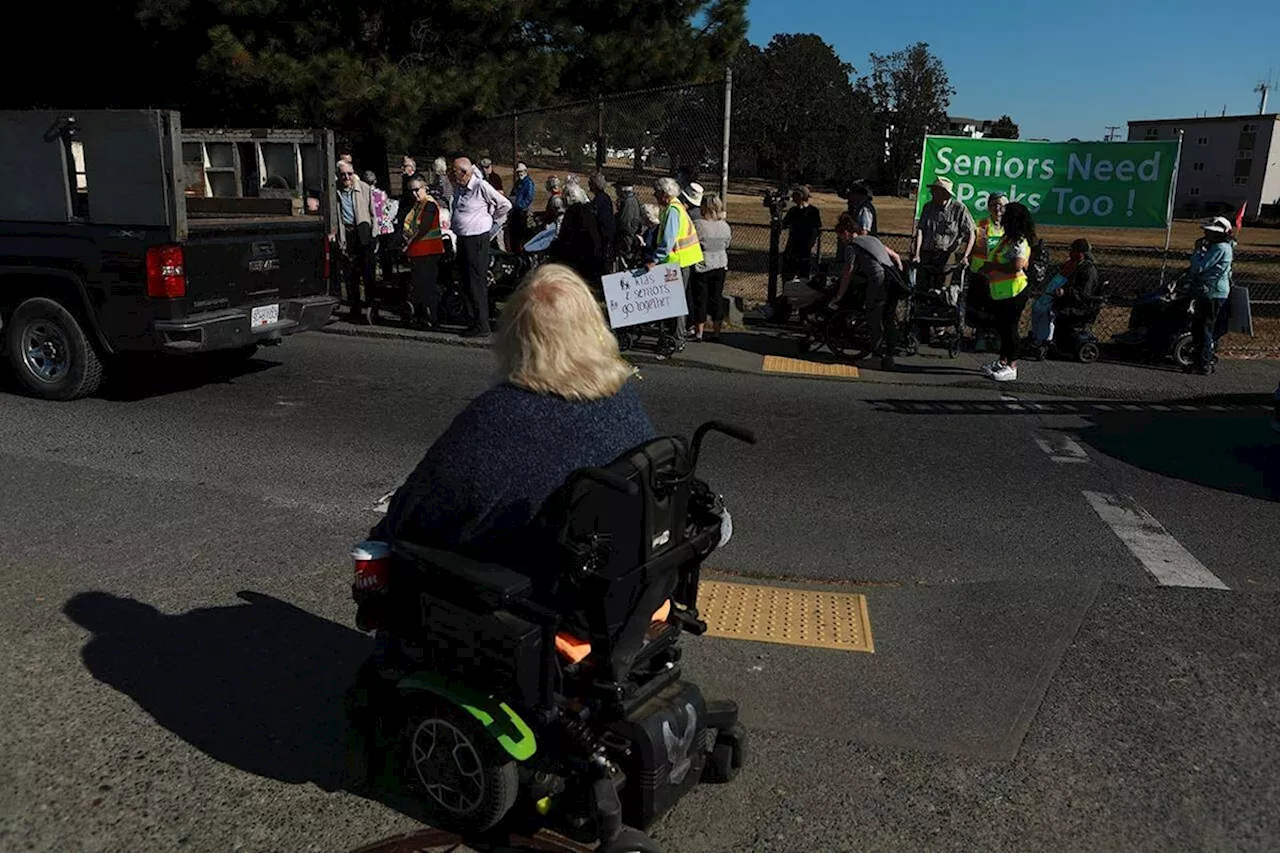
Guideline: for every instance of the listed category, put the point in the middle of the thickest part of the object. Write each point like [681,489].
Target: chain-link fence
[1128,273]
[635,136]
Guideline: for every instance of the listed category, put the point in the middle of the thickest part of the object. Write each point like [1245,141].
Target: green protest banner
[1086,184]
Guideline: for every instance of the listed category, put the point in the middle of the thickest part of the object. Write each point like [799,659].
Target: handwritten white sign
[644,296]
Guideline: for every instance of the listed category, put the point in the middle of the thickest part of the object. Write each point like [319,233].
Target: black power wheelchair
[549,694]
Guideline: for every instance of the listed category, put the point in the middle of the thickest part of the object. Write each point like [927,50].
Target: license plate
[264,315]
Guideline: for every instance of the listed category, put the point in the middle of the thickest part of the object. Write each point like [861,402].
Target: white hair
[552,339]
[575,194]
[440,166]
[668,187]
[652,215]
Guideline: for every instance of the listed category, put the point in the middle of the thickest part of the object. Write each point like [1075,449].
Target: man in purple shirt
[478,213]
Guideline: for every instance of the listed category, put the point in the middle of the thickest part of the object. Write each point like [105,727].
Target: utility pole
[1111,132]
[1263,88]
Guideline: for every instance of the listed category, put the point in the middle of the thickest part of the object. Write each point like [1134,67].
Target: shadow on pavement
[790,347]
[256,685]
[144,377]
[760,344]
[1223,441]
[1233,451]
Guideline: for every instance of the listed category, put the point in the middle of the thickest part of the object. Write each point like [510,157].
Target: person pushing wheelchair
[879,270]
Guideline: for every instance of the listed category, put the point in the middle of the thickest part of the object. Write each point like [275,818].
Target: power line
[1111,132]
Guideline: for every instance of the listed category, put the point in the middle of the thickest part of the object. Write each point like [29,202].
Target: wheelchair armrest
[497,584]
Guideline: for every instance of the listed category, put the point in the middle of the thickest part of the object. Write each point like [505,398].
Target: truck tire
[50,353]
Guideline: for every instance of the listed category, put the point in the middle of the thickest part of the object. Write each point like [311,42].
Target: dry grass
[895,215]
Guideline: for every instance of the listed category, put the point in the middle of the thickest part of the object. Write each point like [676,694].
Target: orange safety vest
[429,242]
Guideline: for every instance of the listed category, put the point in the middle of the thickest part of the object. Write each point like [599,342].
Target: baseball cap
[1218,224]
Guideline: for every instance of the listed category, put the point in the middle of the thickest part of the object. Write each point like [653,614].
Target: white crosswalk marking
[1162,555]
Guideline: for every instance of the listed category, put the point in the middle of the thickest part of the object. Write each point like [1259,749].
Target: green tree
[796,112]
[910,92]
[388,71]
[1003,128]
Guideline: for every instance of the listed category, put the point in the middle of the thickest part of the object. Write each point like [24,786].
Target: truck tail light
[373,566]
[166,272]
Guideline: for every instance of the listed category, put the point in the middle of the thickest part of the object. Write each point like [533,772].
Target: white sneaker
[1005,373]
[991,368]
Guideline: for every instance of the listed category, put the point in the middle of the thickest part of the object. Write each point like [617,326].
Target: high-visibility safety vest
[429,242]
[1006,285]
[688,248]
[988,237]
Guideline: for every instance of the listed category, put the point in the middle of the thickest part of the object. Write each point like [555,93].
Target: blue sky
[1064,73]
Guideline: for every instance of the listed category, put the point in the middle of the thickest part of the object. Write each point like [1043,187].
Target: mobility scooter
[1072,334]
[1160,325]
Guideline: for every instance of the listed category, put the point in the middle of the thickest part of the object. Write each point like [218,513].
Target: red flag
[1240,216]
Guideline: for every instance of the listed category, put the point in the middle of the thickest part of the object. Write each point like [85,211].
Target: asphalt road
[177,624]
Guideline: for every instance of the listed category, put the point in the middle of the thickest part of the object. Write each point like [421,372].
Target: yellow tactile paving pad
[794,617]
[780,364]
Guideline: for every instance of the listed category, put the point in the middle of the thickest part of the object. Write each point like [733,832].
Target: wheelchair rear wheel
[447,760]
[1184,350]
[845,332]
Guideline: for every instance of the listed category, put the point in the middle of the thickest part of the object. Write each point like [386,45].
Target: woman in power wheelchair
[1062,316]
[529,587]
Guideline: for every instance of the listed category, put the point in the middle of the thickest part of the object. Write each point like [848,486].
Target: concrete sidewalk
[777,352]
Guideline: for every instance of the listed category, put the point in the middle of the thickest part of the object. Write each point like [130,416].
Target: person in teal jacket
[1210,281]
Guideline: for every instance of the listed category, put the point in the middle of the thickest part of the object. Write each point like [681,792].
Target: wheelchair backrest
[617,557]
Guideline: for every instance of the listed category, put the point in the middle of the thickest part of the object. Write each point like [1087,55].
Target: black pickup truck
[120,233]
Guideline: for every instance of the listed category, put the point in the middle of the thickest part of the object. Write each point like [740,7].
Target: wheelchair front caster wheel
[630,841]
[728,756]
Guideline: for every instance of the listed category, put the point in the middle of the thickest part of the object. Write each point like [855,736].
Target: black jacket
[628,225]
[578,244]
[1082,284]
[604,217]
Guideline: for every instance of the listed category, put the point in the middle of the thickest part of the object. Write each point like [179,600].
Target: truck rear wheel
[50,353]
